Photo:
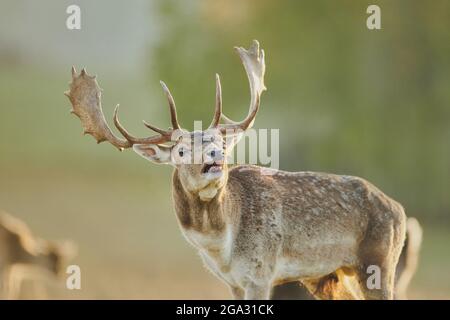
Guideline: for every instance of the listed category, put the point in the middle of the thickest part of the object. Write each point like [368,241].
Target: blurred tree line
[346,99]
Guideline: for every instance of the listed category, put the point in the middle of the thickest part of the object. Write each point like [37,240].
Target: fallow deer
[253,229]
[24,256]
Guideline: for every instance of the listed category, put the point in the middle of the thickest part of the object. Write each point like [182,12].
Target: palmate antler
[254,64]
[85,96]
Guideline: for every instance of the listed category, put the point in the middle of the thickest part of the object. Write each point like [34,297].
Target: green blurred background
[346,99]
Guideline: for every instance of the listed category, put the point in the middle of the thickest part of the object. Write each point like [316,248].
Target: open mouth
[212,167]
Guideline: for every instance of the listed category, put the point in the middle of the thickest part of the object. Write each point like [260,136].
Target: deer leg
[257,292]
[39,291]
[385,291]
[237,292]
[3,279]
[13,282]
[378,259]
[6,275]
[376,274]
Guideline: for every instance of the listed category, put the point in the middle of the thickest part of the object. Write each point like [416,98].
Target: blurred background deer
[24,256]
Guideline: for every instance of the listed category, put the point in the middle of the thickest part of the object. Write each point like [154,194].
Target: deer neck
[203,210]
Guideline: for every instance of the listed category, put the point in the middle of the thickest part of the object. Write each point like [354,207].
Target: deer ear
[153,152]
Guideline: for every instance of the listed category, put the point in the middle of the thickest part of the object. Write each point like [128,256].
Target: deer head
[199,156]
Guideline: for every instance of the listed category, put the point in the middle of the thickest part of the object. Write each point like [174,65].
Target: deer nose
[216,154]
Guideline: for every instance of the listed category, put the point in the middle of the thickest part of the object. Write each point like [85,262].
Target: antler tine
[154,128]
[173,109]
[254,63]
[173,115]
[150,140]
[218,109]
[74,72]
[85,97]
